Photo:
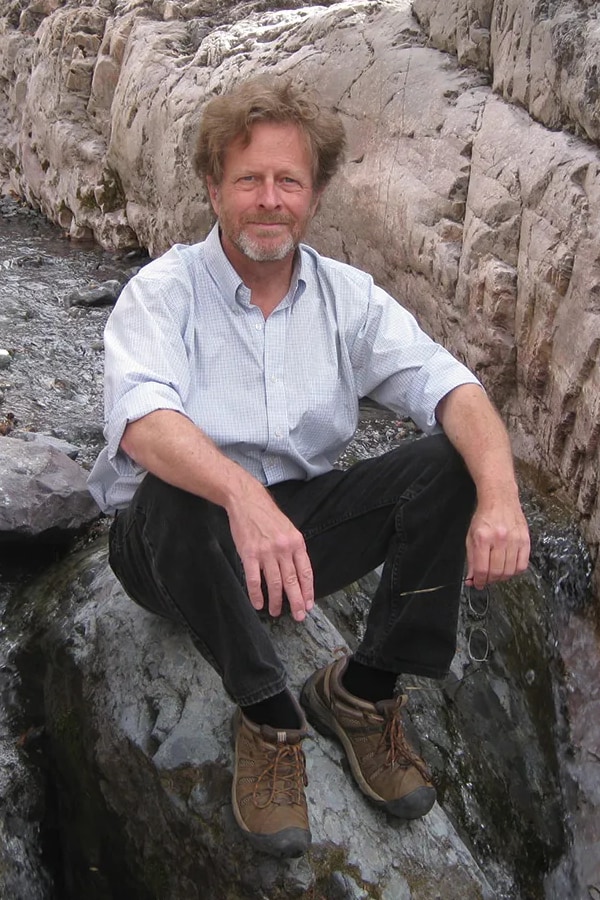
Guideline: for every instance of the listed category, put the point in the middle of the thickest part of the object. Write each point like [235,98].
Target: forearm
[498,538]
[170,446]
[473,426]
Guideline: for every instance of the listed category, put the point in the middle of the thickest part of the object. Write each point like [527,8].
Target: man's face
[265,200]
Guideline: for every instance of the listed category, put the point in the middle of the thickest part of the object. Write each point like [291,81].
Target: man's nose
[269,194]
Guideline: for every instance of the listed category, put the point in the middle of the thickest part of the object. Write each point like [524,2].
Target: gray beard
[256,253]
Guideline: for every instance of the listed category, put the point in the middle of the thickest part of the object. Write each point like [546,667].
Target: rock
[544,56]
[23,873]
[105,294]
[47,440]
[138,725]
[5,359]
[477,218]
[458,191]
[43,493]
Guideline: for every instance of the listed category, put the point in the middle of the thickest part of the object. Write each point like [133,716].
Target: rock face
[543,56]
[133,728]
[468,208]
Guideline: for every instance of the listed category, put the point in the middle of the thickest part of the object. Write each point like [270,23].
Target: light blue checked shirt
[279,396]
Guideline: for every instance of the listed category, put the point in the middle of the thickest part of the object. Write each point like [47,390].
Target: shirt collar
[231,286]
[219,267]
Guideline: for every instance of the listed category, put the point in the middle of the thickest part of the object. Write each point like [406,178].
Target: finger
[523,557]
[305,578]
[274,580]
[478,554]
[253,583]
[298,584]
[293,593]
[511,564]
[497,563]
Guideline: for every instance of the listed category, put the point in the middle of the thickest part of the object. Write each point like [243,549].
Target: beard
[255,251]
[267,248]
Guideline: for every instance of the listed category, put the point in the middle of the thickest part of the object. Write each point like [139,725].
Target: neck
[267,281]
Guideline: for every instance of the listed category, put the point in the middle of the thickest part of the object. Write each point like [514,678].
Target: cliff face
[473,197]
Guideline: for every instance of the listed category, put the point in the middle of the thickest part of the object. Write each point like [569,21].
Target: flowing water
[544,648]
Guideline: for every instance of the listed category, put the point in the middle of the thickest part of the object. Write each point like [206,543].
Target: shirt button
[258,326]
[277,434]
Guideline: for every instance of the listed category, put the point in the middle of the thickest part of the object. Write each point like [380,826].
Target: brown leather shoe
[268,787]
[385,766]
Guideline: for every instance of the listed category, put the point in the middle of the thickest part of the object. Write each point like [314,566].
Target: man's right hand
[168,444]
[270,546]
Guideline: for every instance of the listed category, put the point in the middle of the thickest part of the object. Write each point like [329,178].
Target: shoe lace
[393,739]
[283,778]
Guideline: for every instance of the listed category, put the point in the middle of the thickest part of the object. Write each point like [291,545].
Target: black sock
[278,712]
[367,683]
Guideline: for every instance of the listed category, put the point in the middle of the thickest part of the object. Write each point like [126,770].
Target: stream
[535,690]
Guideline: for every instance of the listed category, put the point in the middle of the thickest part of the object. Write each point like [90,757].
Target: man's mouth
[267,222]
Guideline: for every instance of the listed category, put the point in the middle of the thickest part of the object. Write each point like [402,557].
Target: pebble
[5,359]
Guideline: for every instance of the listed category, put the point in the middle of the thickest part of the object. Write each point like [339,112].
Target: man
[233,373]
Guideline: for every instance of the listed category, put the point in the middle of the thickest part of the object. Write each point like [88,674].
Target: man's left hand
[497,543]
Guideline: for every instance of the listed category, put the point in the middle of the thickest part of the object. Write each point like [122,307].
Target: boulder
[475,212]
[104,294]
[138,739]
[43,493]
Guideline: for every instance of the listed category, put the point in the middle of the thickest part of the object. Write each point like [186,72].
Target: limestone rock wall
[468,208]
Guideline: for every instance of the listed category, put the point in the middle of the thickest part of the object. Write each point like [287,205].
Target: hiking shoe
[268,787]
[385,766]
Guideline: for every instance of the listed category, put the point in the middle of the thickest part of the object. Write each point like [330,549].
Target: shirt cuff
[428,422]
[135,404]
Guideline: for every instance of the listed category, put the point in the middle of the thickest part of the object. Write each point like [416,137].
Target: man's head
[266,151]
[267,99]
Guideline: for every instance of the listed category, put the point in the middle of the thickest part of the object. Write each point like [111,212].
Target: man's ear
[213,193]
[316,201]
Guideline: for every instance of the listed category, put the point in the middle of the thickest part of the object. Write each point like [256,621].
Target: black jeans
[408,509]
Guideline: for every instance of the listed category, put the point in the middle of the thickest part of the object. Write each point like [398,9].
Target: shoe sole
[287,843]
[413,806]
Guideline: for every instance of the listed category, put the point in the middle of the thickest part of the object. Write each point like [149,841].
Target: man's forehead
[268,132]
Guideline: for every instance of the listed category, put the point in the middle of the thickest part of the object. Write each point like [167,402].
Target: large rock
[136,748]
[43,493]
[138,740]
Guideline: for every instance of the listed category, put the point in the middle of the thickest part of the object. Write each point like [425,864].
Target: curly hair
[265,98]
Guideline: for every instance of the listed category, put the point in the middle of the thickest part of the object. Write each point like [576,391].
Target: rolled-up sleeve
[146,360]
[400,366]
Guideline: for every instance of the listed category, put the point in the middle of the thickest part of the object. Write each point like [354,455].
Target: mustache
[267,219]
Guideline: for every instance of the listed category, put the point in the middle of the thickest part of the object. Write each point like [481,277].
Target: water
[54,381]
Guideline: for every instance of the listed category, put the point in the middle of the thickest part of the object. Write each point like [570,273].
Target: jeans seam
[263,694]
